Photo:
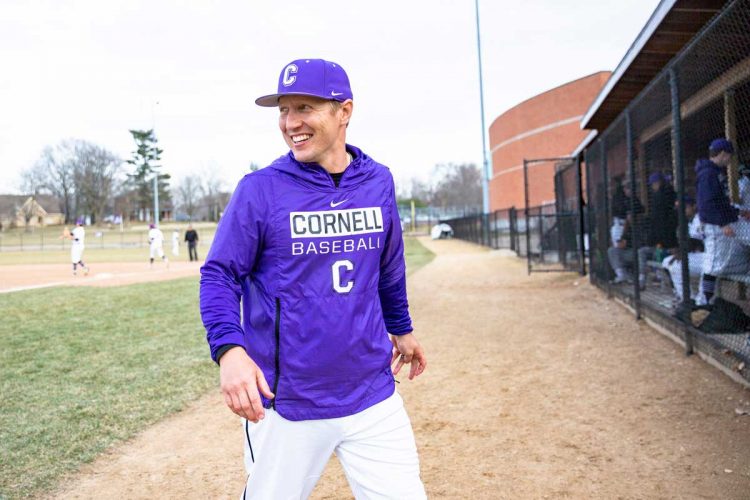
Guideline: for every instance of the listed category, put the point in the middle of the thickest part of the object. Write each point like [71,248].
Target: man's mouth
[299,139]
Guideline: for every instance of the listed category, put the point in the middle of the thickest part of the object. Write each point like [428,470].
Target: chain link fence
[48,238]
[667,214]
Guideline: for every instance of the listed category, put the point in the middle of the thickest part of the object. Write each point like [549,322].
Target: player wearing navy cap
[303,284]
[726,253]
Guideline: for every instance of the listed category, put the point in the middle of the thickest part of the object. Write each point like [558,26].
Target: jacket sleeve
[238,239]
[392,283]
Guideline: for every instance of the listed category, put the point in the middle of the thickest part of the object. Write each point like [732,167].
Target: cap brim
[268,101]
[271,101]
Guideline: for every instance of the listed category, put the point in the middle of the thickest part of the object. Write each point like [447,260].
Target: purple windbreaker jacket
[321,274]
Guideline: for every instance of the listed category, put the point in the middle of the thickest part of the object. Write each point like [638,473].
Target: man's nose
[293,121]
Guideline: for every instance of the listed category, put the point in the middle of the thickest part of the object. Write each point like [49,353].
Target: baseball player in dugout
[303,296]
[725,226]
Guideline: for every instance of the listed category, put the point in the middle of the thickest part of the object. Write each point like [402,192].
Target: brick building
[547,125]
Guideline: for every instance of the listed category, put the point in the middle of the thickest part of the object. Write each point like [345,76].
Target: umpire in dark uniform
[191,236]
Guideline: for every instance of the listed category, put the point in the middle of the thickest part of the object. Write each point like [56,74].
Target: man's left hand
[406,350]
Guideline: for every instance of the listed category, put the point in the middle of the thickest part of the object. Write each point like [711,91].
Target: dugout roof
[672,25]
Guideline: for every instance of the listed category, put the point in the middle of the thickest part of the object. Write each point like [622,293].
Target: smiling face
[315,130]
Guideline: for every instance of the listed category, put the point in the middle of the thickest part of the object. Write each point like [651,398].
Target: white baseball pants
[284,459]
[725,254]
[156,250]
[76,253]
[674,267]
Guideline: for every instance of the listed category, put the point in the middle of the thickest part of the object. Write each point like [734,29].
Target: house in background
[41,210]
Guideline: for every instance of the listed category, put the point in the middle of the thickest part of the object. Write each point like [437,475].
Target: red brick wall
[561,104]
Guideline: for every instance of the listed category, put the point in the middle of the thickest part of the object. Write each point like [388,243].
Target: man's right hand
[728,230]
[240,381]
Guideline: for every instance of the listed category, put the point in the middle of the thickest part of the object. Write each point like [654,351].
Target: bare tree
[56,169]
[211,188]
[458,185]
[95,175]
[188,194]
[34,180]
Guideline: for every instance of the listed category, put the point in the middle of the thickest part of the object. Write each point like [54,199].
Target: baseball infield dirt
[537,387]
[26,276]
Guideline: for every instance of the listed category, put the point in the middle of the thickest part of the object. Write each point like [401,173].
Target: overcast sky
[94,69]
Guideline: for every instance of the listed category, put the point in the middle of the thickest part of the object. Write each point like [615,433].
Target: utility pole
[485,159]
[156,199]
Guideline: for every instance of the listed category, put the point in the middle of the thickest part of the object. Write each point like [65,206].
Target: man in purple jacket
[303,284]
[725,252]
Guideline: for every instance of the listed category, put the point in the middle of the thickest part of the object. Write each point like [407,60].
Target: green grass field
[416,255]
[82,369]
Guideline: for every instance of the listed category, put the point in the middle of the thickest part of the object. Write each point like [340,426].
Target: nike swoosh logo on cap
[335,204]
[336,94]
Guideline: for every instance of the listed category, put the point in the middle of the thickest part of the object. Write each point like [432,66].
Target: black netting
[668,232]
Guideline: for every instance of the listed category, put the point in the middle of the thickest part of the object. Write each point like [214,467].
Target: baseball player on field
[175,243]
[156,244]
[303,296]
[727,250]
[77,237]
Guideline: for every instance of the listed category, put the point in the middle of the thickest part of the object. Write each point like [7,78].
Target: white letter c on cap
[289,77]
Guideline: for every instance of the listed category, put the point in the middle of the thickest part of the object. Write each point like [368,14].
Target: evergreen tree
[145,160]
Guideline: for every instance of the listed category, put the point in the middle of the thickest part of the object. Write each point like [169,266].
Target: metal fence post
[496,243]
[605,183]
[560,216]
[541,234]
[679,168]
[526,214]
[634,226]
[581,222]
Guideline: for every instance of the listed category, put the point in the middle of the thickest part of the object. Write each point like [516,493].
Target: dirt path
[30,276]
[538,387]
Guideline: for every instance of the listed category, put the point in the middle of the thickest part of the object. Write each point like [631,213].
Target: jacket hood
[313,174]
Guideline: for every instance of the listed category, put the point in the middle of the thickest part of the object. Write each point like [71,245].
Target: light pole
[485,159]
[156,174]
[156,199]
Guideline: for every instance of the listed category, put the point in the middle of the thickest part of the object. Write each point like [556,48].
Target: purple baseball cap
[719,145]
[656,177]
[310,77]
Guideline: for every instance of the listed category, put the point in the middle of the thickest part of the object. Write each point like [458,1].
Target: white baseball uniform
[175,243]
[76,247]
[156,242]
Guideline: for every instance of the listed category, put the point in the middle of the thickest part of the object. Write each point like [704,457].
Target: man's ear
[347,107]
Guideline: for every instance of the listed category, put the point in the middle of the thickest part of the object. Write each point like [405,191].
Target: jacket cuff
[222,350]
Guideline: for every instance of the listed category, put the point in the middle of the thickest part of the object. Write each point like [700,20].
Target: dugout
[684,81]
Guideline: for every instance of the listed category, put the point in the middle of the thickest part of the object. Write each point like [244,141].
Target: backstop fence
[666,223]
